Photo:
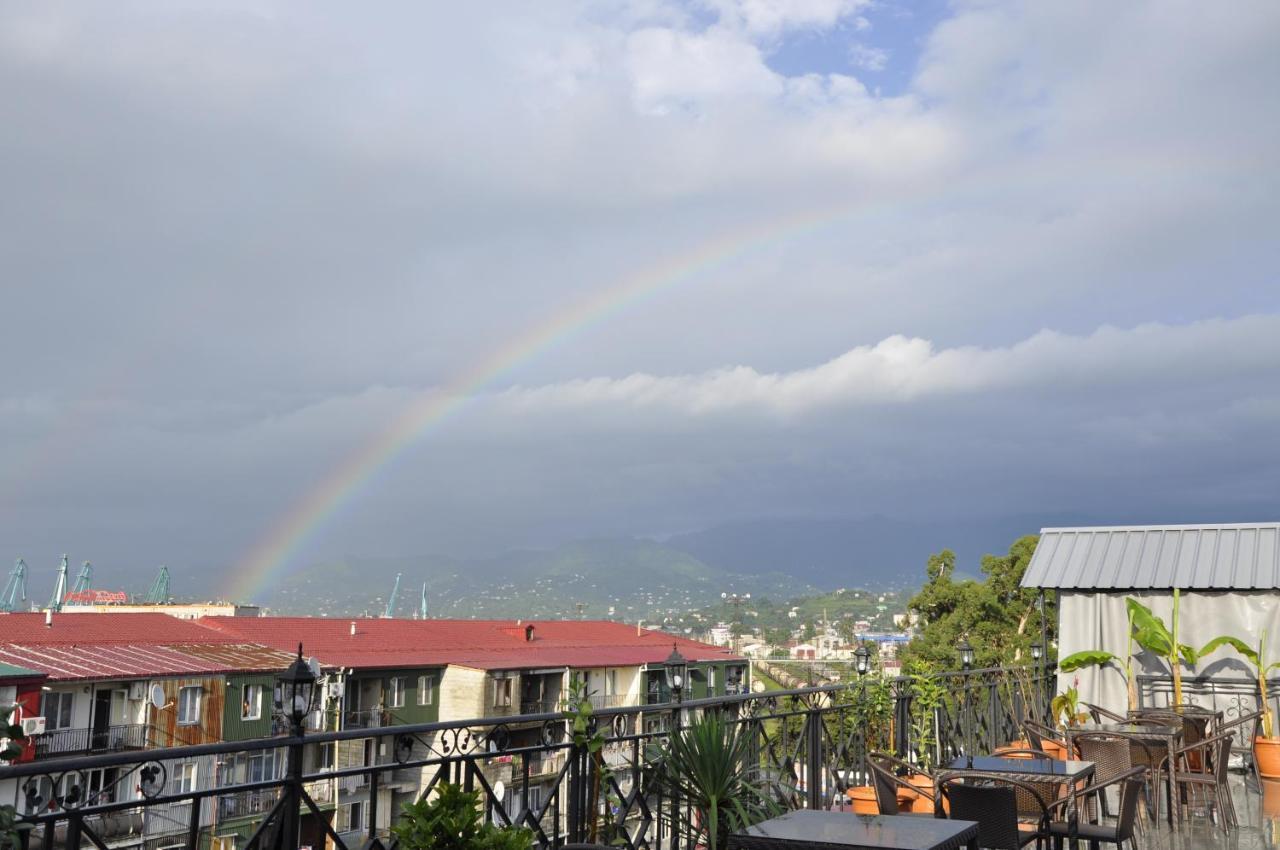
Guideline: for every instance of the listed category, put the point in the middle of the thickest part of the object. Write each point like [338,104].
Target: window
[261,767]
[184,778]
[189,705]
[611,683]
[501,693]
[711,680]
[354,820]
[57,710]
[251,702]
[426,690]
[395,692]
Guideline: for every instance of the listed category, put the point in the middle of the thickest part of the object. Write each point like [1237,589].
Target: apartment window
[189,705]
[711,680]
[501,693]
[260,767]
[251,703]
[57,710]
[184,778]
[395,692]
[611,683]
[426,690]
[355,817]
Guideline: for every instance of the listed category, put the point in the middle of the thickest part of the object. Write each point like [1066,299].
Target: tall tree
[999,617]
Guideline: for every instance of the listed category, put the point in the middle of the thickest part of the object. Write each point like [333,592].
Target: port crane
[159,592]
[85,580]
[422,605]
[391,600]
[59,587]
[15,590]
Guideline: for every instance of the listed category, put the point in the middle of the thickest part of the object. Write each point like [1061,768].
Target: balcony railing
[813,741]
[372,718]
[68,741]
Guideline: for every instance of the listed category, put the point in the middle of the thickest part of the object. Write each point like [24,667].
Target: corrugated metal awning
[1235,556]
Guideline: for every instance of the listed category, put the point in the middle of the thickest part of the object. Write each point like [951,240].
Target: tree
[999,617]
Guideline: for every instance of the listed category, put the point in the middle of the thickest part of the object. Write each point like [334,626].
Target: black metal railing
[811,742]
[67,741]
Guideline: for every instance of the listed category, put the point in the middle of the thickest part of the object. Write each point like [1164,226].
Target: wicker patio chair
[1130,783]
[1038,733]
[1210,779]
[992,801]
[1101,715]
[1112,756]
[888,774]
[1245,728]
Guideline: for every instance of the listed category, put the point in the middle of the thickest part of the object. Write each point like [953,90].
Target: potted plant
[10,829]
[709,765]
[451,821]
[1266,747]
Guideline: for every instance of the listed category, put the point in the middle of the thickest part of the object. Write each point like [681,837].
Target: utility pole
[737,602]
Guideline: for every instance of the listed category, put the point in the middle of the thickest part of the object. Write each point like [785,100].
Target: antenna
[59,587]
[16,589]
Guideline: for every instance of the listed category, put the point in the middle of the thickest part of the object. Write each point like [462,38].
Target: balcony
[813,739]
[70,741]
[372,718]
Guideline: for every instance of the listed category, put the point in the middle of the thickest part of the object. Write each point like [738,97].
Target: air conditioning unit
[33,726]
[137,691]
[335,690]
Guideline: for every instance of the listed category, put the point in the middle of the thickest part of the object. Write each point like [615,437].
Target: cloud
[874,59]
[242,238]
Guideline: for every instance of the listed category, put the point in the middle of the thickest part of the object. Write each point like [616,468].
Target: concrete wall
[463,693]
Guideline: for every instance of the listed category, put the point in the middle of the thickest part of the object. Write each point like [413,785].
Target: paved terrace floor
[1259,828]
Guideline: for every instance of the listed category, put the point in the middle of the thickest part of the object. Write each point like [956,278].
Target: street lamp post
[862,660]
[966,663]
[966,653]
[297,686]
[1037,658]
[676,668]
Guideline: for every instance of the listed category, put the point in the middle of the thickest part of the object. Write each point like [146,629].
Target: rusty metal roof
[123,661]
[1236,556]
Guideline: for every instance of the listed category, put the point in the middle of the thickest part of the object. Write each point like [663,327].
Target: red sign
[95,597]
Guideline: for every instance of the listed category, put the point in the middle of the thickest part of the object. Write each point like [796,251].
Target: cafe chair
[888,774]
[1124,829]
[1245,728]
[1112,756]
[1038,734]
[1101,715]
[993,802]
[1205,777]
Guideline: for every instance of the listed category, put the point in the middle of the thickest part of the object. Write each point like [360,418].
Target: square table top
[1130,729]
[865,832]
[1029,766]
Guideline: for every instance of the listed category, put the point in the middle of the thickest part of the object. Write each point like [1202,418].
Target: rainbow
[271,554]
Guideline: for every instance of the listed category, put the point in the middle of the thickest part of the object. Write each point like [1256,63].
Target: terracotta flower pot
[1054,749]
[919,802]
[1271,798]
[1266,753]
[863,798]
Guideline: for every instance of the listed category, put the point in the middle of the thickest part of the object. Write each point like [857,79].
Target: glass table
[811,830]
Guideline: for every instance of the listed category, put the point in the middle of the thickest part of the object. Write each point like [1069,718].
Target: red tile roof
[483,644]
[145,629]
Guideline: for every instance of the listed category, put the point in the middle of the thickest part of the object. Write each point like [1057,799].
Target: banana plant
[1256,657]
[1100,658]
[1153,635]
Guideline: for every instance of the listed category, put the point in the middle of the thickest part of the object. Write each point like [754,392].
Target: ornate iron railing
[811,742]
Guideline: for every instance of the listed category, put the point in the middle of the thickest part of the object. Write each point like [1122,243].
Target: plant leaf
[1235,643]
[1085,658]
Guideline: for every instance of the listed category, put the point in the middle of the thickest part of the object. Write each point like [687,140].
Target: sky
[284,282]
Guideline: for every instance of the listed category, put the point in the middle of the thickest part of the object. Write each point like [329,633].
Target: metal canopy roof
[1231,556]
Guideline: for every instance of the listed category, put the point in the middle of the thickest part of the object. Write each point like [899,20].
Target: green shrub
[451,821]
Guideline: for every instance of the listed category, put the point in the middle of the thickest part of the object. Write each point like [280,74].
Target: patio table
[1035,771]
[1167,736]
[811,830]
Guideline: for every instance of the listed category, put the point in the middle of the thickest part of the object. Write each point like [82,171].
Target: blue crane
[15,590]
[159,592]
[59,587]
[391,600]
[85,580]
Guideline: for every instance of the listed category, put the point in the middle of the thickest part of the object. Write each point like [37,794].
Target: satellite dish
[314,666]
[499,790]
[157,696]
